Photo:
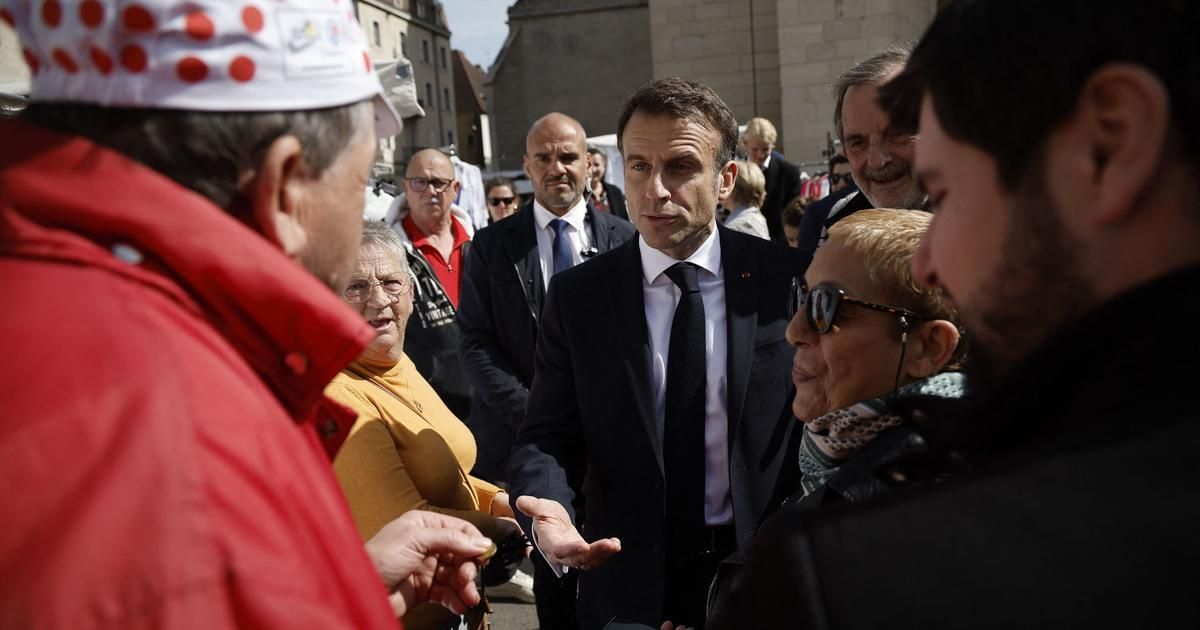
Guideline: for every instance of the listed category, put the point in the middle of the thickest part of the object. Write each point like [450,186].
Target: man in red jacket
[175,204]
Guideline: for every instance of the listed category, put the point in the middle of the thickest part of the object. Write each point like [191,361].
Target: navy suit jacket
[499,306]
[591,428]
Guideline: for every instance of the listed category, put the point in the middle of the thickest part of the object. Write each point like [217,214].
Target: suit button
[658,485]
[657,549]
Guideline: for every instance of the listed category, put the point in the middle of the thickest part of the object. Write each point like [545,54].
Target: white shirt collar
[766,162]
[574,217]
[707,257]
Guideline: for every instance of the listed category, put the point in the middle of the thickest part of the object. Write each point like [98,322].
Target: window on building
[420,7]
[429,94]
[443,56]
[446,95]
[425,50]
[404,45]
[375,33]
[449,137]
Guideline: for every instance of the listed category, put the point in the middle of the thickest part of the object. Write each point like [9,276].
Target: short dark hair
[874,69]
[498,181]
[680,98]
[1002,82]
[208,152]
[837,159]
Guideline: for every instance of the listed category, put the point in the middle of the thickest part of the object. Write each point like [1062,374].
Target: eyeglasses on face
[500,201]
[420,184]
[837,178]
[359,291]
[821,303]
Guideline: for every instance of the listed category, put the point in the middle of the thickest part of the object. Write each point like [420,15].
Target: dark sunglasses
[821,304]
[837,178]
[500,201]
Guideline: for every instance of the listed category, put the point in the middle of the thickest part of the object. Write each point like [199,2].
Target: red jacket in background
[161,373]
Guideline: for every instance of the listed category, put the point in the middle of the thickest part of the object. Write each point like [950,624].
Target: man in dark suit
[783,177]
[661,382]
[605,197]
[507,271]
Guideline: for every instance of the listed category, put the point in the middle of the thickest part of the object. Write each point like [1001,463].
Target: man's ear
[726,180]
[276,192]
[930,346]
[1117,134]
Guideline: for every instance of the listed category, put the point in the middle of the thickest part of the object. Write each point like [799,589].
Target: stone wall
[579,57]
[731,45]
[818,39]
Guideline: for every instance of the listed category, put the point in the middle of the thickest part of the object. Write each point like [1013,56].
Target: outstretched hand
[428,557]
[558,539]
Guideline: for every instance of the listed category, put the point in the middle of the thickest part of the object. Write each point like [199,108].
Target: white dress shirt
[661,296]
[577,233]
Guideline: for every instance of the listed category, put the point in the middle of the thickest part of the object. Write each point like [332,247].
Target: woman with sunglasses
[407,451]
[502,198]
[866,338]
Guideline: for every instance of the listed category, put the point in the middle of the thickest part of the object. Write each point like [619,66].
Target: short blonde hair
[886,241]
[750,186]
[761,129]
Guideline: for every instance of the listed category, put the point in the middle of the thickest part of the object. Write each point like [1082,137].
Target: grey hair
[875,69]
[593,149]
[211,153]
[380,235]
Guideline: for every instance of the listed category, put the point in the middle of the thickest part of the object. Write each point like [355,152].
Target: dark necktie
[684,417]
[561,246]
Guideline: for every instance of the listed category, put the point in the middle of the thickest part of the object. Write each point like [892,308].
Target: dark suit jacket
[592,426]
[616,200]
[783,185]
[499,305]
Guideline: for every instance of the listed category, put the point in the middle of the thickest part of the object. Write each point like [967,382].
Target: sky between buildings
[478,28]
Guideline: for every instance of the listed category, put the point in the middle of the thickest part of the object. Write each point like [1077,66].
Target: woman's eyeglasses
[419,184]
[359,291]
[821,304]
[500,201]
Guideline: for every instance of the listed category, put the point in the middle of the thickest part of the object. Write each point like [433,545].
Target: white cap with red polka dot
[206,55]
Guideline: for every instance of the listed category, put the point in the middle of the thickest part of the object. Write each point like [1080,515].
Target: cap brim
[387,119]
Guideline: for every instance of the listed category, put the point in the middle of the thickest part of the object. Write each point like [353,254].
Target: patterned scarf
[836,436]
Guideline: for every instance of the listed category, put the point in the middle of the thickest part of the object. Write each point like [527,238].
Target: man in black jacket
[507,271]
[1064,186]
[604,196]
[783,177]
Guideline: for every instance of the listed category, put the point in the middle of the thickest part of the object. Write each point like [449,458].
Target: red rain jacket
[161,378]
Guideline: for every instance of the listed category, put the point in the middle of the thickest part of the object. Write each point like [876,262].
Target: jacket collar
[68,199]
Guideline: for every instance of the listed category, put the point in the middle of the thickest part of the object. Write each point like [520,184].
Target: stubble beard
[1035,291]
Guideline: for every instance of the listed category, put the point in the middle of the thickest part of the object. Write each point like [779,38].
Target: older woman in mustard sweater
[406,451]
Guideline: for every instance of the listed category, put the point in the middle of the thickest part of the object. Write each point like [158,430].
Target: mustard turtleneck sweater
[407,450]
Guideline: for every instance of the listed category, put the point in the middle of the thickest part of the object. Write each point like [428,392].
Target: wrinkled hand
[558,538]
[428,557]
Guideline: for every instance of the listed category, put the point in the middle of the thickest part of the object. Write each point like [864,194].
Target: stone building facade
[416,30]
[580,57]
[771,58]
[470,108]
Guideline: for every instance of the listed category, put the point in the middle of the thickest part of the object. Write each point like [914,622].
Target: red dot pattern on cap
[102,61]
[135,17]
[31,60]
[51,13]
[367,60]
[199,26]
[191,69]
[133,58]
[64,60]
[252,17]
[7,16]
[91,13]
[242,69]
